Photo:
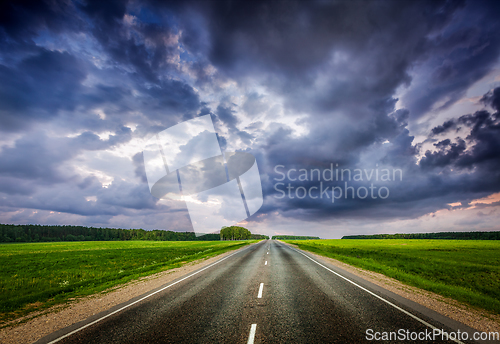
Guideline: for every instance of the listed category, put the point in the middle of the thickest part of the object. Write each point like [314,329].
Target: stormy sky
[370,87]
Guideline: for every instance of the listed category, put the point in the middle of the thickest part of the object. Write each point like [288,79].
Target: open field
[465,270]
[38,275]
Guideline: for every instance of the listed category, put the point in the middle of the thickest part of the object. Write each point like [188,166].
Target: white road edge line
[265,263]
[261,288]
[251,337]
[378,297]
[133,303]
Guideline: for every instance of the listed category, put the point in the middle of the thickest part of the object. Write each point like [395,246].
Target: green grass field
[465,270]
[38,275]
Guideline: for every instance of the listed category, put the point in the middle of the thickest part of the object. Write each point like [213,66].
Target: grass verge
[465,270]
[35,276]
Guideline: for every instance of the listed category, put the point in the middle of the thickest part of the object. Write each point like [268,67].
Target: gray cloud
[38,87]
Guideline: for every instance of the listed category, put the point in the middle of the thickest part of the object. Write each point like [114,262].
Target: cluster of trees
[39,233]
[441,235]
[294,237]
[234,233]
[239,233]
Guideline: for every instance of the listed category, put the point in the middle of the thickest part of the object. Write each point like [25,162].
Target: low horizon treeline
[294,237]
[49,233]
[439,235]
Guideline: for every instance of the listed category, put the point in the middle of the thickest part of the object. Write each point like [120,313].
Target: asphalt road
[265,293]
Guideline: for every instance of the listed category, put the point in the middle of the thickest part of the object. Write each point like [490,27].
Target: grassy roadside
[465,270]
[35,276]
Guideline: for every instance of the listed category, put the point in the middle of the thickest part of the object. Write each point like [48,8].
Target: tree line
[294,237]
[42,233]
[439,235]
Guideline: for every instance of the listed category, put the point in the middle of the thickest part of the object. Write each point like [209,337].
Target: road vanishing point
[267,292]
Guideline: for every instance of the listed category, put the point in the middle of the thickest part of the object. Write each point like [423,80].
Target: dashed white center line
[265,263]
[251,337]
[260,290]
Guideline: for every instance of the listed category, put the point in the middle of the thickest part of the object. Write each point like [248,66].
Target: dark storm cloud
[445,127]
[483,142]
[226,114]
[315,155]
[290,44]
[126,195]
[39,83]
[39,157]
[172,96]
[295,36]
[42,85]
[106,94]
[461,55]
[493,99]
[143,46]
[118,199]
[294,41]
[339,140]
[38,87]
[458,170]
[140,170]
[12,186]
[448,152]
[39,171]
[35,157]
[22,20]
